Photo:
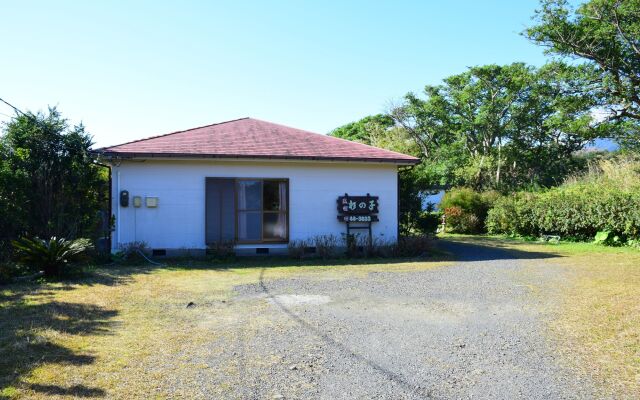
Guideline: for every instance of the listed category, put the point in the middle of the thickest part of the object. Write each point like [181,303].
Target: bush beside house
[466,210]
[50,184]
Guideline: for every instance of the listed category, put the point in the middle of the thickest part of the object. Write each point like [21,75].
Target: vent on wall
[159,252]
[262,250]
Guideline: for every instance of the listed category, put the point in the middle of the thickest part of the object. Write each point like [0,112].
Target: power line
[12,106]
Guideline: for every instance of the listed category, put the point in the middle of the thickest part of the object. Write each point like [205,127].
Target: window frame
[262,212]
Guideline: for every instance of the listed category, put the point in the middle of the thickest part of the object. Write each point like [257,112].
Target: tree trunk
[499,162]
[479,176]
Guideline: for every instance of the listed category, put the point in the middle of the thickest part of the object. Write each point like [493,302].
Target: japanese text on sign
[358,208]
[358,204]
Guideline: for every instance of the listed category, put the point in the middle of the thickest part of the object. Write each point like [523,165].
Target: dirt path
[473,330]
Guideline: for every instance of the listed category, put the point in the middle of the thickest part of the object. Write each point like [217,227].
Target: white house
[252,183]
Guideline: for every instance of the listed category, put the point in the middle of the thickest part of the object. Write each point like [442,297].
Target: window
[262,210]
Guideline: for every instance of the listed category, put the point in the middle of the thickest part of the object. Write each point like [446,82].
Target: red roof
[256,139]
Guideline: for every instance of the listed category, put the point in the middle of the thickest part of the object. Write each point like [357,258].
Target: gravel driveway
[472,330]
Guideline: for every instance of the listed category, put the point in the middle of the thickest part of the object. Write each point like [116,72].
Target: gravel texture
[477,329]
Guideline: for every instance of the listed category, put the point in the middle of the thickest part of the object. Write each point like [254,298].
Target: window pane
[275,226]
[249,195]
[249,225]
[275,196]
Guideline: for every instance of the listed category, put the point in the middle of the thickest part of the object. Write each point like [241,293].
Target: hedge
[577,210]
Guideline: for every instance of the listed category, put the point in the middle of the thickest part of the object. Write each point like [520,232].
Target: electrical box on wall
[137,201]
[124,198]
[152,202]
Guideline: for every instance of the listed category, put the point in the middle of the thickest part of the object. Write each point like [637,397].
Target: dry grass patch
[601,321]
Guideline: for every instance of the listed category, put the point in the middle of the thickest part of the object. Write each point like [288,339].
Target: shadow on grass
[28,319]
[74,391]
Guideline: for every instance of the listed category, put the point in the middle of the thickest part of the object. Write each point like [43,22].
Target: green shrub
[579,212]
[52,255]
[608,202]
[428,222]
[466,210]
[635,243]
[513,215]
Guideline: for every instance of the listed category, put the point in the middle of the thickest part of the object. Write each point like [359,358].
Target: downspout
[117,227]
[109,202]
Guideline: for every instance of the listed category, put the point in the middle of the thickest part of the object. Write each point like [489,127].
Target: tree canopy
[496,127]
[607,34]
[49,183]
[361,131]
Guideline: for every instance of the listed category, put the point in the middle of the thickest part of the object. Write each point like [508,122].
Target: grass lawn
[109,333]
[599,323]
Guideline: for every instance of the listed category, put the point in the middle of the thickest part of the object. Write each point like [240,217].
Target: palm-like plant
[50,255]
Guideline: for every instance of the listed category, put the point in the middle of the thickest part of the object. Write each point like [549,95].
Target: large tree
[361,130]
[607,34]
[49,182]
[380,131]
[501,126]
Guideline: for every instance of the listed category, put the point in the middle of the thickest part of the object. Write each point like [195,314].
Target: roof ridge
[172,133]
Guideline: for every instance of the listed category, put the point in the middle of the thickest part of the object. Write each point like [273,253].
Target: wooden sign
[358,206]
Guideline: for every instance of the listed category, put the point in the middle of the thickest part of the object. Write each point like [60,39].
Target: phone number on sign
[357,218]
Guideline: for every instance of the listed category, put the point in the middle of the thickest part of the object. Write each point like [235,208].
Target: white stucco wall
[179,220]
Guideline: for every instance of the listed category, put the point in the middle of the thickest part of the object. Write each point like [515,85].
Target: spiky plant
[50,255]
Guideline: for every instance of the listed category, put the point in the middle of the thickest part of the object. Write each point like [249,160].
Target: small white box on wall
[137,201]
[152,202]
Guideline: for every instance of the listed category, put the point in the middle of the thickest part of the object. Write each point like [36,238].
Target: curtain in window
[275,210]
[281,225]
[283,196]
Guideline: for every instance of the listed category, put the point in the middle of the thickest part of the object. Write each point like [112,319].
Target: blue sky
[134,69]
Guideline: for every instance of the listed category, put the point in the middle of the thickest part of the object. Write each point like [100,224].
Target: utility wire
[12,106]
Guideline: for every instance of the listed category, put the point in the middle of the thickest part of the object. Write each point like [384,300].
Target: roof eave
[129,155]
